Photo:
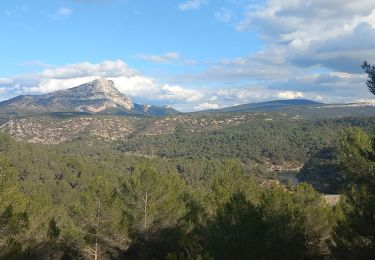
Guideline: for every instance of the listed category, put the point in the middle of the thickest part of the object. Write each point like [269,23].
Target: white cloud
[245,94]
[336,34]
[137,86]
[290,94]
[163,58]
[177,92]
[206,106]
[365,100]
[191,5]
[64,11]
[104,69]
[126,79]
[339,87]
[313,49]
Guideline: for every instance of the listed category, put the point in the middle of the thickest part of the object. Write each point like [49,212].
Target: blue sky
[191,54]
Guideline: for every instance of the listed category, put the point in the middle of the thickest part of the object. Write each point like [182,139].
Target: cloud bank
[312,49]
[141,88]
[127,80]
[336,34]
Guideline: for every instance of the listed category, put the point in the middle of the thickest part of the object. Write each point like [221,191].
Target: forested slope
[64,202]
[196,187]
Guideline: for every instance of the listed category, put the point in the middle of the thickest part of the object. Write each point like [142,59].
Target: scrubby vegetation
[188,194]
[279,140]
[85,199]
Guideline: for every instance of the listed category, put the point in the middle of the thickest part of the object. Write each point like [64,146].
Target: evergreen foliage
[53,231]
[215,199]
[370,70]
[355,233]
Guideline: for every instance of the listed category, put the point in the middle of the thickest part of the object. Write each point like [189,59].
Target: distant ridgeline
[304,108]
[101,97]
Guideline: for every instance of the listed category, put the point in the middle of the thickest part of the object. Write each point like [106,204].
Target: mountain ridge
[268,105]
[304,108]
[99,96]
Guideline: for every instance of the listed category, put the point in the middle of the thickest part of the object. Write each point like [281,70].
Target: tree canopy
[370,70]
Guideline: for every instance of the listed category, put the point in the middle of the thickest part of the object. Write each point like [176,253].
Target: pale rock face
[96,96]
[101,90]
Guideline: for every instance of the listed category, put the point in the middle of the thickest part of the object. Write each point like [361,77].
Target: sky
[190,54]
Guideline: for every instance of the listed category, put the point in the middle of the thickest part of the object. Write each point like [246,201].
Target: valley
[187,130]
[58,159]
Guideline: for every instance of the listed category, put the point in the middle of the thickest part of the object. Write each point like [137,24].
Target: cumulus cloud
[177,92]
[339,86]
[332,83]
[127,80]
[245,94]
[139,87]
[206,106]
[337,34]
[313,49]
[104,69]
[342,53]
[191,5]
[290,94]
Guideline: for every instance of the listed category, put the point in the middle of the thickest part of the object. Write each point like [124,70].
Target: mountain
[267,106]
[303,108]
[96,97]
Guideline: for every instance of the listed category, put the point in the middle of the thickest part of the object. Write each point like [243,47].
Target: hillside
[53,129]
[68,166]
[267,106]
[304,108]
[266,138]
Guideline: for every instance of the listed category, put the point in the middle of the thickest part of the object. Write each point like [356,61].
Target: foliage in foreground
[355,232]
[156,215]
[157,210]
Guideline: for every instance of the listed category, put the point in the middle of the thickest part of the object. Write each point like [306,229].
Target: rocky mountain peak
[97,96]
[102,85]
[101,93]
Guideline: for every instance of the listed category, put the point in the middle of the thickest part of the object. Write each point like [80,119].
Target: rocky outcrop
[98,96]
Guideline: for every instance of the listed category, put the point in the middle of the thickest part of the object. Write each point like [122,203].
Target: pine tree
[98,215]
[152,200]
[53,231]
[370,70]
[355,233]
[13,218]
